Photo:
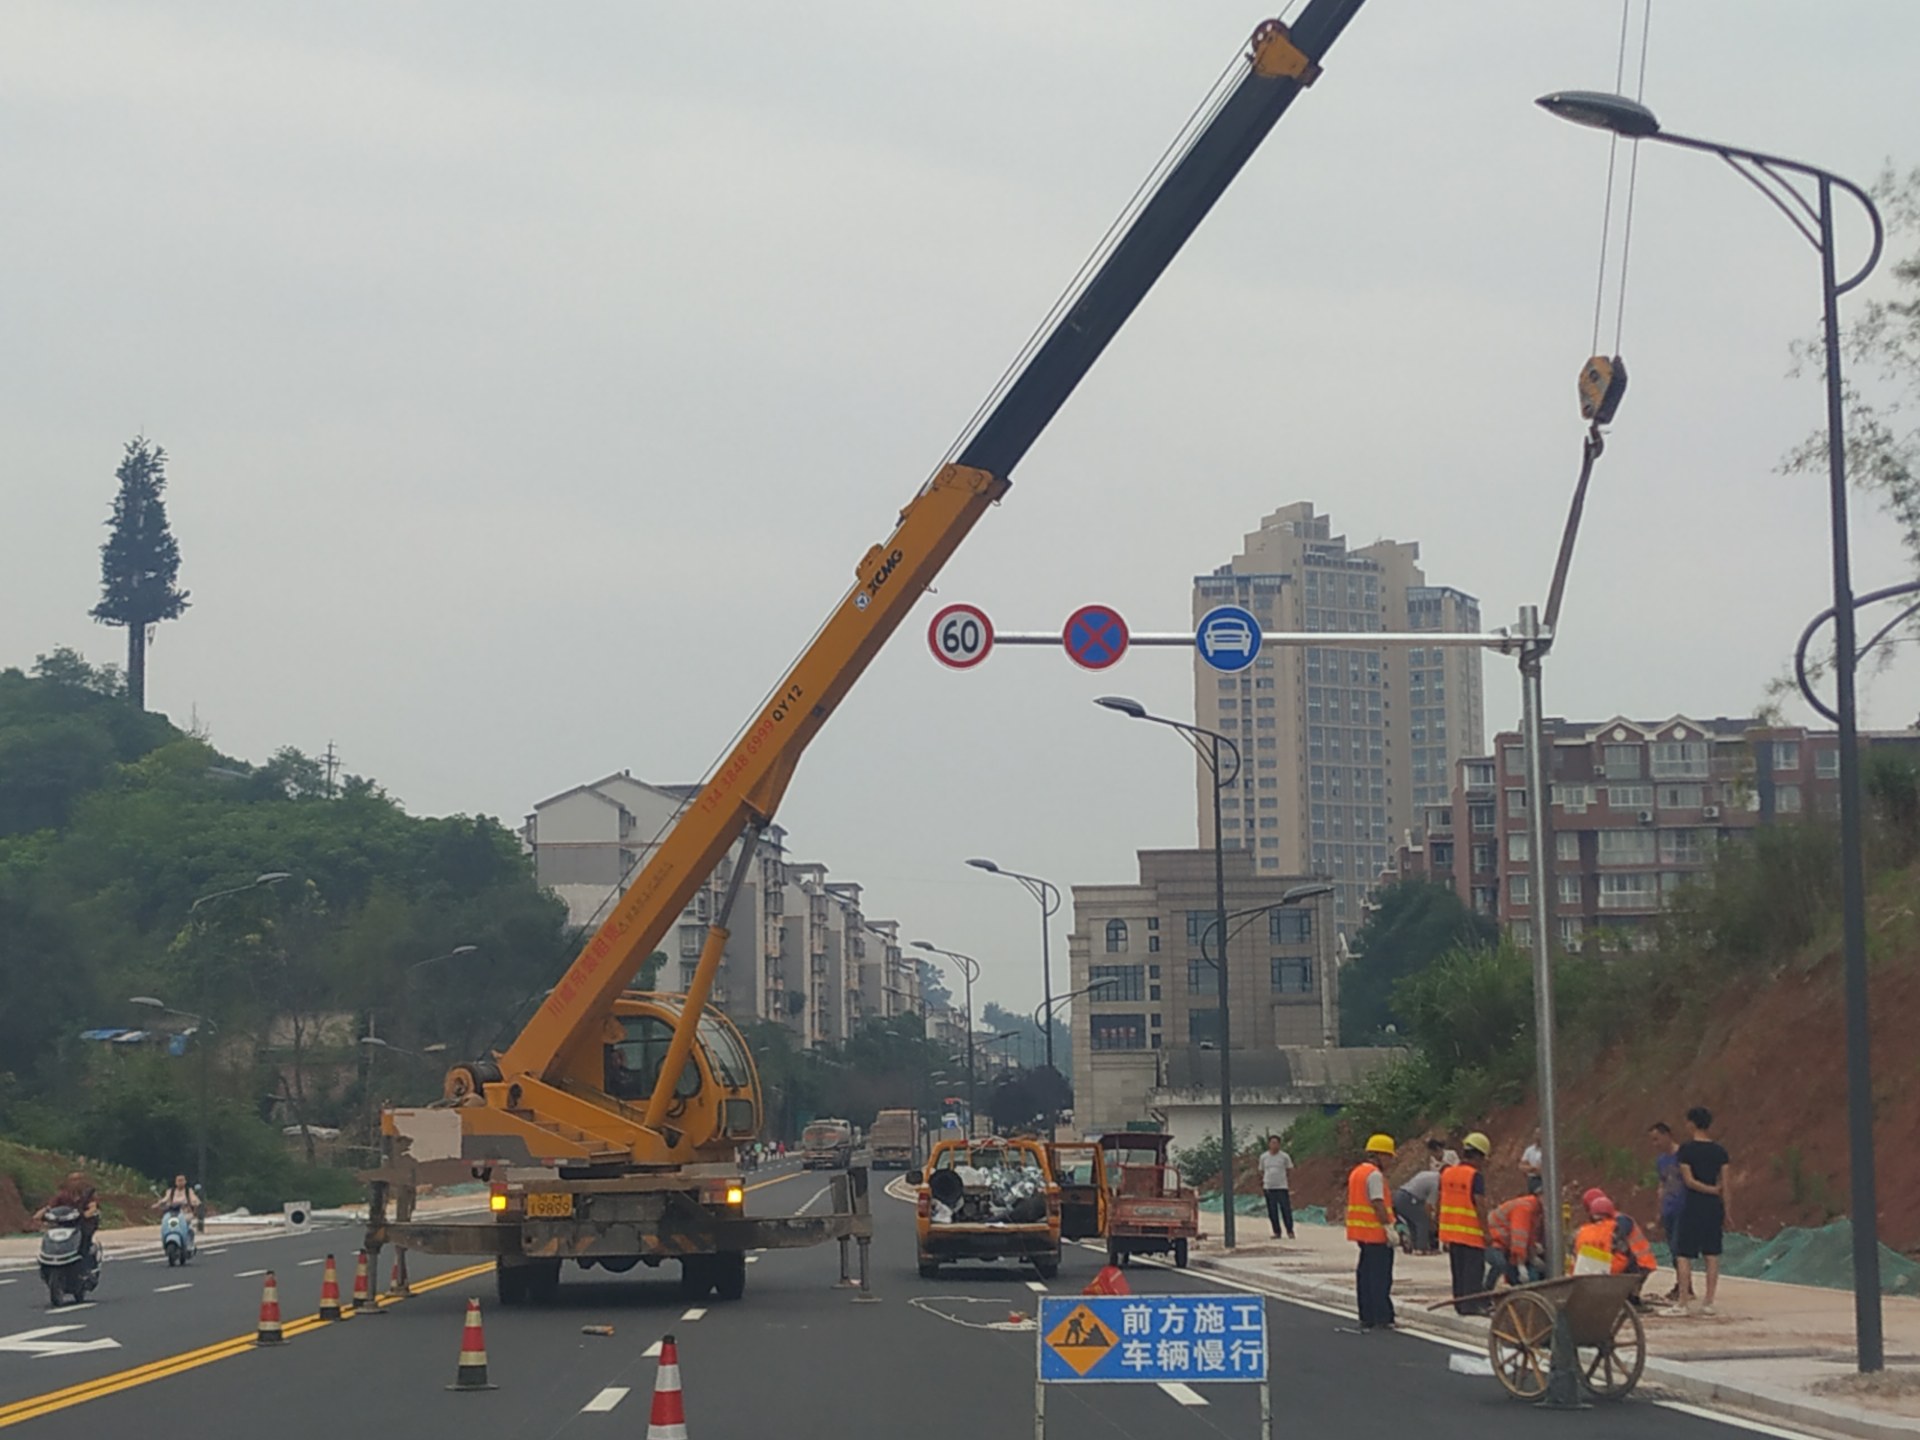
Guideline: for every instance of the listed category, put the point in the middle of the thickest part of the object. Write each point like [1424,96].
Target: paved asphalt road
[797,1359]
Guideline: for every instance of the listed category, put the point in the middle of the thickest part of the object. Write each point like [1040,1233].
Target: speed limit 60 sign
[960,636]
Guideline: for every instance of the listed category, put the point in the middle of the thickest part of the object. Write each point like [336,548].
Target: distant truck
[826,1145]
[895,1140]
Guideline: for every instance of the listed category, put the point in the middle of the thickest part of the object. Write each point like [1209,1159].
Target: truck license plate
[550,1205]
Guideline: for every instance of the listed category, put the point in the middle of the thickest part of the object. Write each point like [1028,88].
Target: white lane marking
[605,1400]
[695,1313]
[753,1259]
[652,1352]
[1759,1427]
[317,1260]
[1185,1394]
[814,1199]
[37,1344]
[6,1282]
[247,1274]
[1037,1287]
[167,1289]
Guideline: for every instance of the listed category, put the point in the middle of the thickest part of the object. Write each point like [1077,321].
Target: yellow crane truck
[609,1127]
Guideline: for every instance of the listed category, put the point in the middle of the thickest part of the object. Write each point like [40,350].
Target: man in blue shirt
[1673,1189]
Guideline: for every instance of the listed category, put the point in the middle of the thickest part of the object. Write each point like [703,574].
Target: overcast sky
[533,377]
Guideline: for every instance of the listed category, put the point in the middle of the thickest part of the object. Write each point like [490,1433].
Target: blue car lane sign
[1228,638]
[1152,1339]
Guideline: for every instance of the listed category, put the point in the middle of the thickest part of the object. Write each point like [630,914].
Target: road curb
[1687,1382]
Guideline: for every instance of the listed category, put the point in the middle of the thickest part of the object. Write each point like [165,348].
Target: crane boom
[745,789]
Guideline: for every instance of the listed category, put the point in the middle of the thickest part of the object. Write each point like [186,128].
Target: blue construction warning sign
[1152,1338]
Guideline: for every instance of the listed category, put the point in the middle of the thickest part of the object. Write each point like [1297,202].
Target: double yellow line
[38,1405]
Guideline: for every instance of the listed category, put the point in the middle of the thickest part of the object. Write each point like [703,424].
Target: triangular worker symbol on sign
[1080,1339]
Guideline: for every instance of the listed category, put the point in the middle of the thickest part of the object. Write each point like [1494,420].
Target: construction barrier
[330,1293]
[669,1418]
[472,1374]
[269,1331]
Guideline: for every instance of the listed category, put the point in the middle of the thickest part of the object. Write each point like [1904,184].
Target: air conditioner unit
[1599,772]
[1710,812]
[1646,817]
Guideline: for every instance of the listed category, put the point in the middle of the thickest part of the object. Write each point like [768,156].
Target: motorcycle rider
[179,1196]
[78,1193]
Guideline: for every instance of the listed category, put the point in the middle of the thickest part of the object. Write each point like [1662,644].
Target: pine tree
[140,561]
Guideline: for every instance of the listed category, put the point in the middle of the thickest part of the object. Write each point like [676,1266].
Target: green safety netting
[1795,1256]
[1814,1257]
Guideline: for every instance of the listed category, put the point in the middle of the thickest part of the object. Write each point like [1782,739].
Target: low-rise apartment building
[800,951]
[1162,994]
[1637,808]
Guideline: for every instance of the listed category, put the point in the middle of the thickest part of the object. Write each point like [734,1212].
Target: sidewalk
[1784,1352]
[21,1252]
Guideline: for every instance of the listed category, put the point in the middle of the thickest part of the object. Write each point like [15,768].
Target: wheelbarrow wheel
[1520,1343]
[1610,1371]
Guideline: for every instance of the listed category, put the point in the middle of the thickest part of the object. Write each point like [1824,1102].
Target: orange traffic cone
[363,1287]
[1110,1281]
[269,1331]
[669,1418]
[330,1293]
[472,1374]
[397,1276]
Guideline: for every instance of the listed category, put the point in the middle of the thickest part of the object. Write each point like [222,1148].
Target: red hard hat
[1596,1200]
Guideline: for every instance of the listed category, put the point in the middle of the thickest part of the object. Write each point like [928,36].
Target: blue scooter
[176,1234]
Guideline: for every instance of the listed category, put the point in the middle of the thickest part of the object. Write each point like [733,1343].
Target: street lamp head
[1602,111]
[1306,892]
[462,950]
[272,877]
[1125,706]
[436,1049]
[147,1000]
[987,865]
[375,1040]
[926,945]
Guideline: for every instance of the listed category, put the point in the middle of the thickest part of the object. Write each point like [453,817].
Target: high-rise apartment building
[1341,745]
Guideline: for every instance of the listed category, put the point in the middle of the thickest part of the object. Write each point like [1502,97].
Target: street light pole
[270,877]
[1767,174]
[1210,754]
[970,968]
[1048,894]
[203,1027]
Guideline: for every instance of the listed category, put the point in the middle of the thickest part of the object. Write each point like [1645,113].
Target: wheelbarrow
[1610,1343]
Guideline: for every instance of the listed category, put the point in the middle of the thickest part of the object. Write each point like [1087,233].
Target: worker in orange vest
[1516,1238]
[1463,1222]
[1610,1243]
[1370,1226]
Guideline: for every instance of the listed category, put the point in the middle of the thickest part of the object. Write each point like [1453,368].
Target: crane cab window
[633,1065]
[729,1061]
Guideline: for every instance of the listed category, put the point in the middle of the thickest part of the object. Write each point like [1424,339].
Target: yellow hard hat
[1380,1145]
[1477,1141]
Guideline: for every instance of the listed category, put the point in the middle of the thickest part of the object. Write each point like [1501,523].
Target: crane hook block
[1602,383]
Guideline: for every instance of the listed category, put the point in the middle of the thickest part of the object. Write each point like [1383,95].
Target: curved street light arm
[1733,154]
[1872,597]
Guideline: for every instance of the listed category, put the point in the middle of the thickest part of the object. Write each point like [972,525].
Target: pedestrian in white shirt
[1275,1168]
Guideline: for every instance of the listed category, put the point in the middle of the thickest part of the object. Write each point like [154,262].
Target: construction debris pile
[968,1195]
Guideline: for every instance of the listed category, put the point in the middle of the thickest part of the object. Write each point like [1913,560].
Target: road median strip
[35,1406]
